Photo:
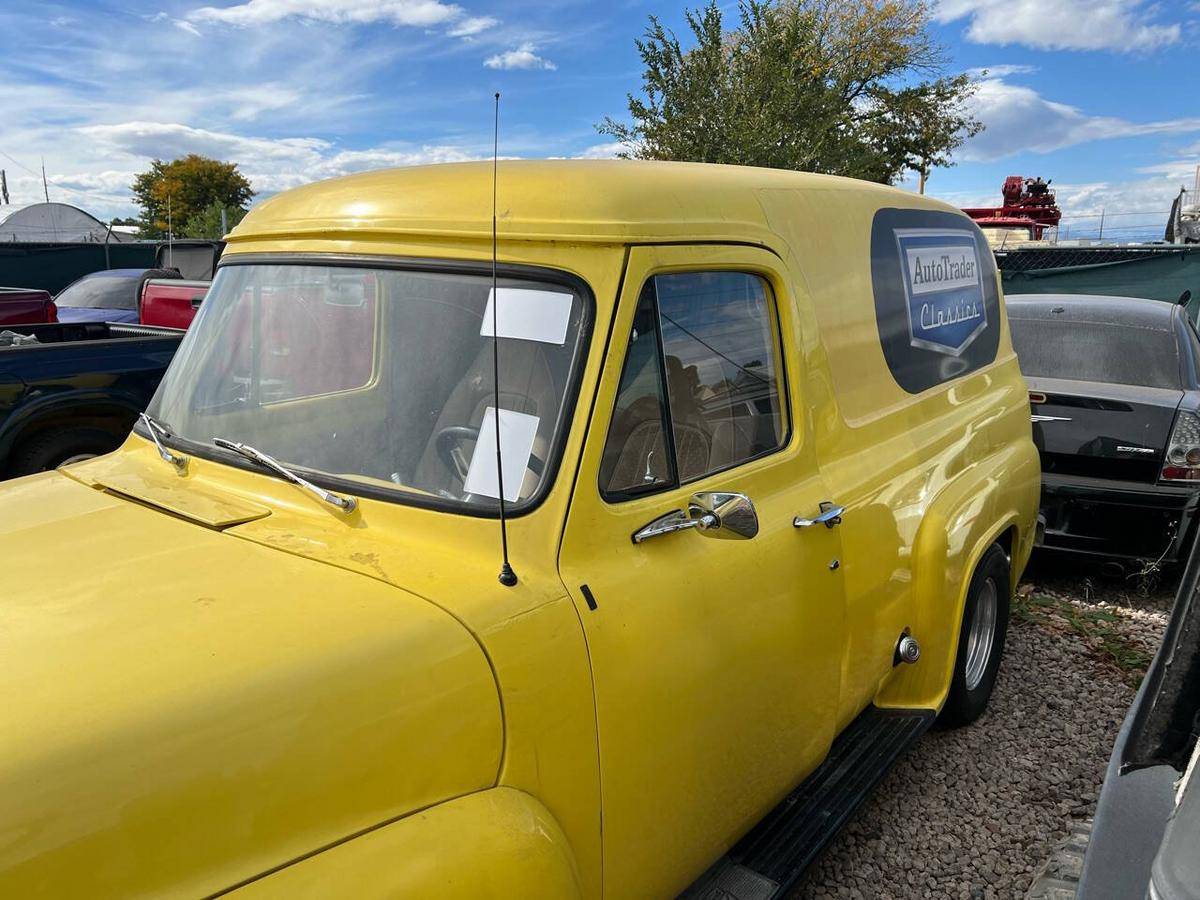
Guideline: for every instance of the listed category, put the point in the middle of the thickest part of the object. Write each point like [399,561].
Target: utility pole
[1100,237]
[45,188]
[224,223]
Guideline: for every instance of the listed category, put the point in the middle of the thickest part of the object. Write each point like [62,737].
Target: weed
[1095,626]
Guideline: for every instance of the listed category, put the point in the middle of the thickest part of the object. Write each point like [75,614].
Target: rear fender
[499,843]
[73,406]
[994,500]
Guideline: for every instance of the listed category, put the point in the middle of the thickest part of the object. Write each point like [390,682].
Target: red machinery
[1028,203]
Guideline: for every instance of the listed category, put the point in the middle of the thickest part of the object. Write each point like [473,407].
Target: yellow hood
[181,709]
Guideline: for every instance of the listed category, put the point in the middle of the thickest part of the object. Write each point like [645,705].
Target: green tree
[185,188]
[207,222]
[844,87]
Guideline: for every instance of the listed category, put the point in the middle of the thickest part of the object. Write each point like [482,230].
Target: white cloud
[270,164]
[111,182]
[168,140]
[1020,119]
[1182,171]
[251,102]
[1133,210]
[604,151]
[521,58]
[418,13]
[472,25]
[1001,71]
[181,24]
[1122,25]
[291,102]
[401,13]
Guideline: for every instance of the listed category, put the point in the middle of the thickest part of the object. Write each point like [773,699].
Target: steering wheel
[448,443]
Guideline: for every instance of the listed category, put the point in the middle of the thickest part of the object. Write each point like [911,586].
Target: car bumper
[1131,817]
[1117,519]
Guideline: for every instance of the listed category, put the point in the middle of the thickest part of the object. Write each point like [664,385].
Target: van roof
[608,201]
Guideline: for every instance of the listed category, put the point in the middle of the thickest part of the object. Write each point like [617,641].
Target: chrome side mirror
[716,514]
[734,513]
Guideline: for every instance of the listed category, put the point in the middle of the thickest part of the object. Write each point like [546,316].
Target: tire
[52,448]
[985,614]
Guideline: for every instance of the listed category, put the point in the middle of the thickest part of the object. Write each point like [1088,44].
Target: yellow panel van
[768,483]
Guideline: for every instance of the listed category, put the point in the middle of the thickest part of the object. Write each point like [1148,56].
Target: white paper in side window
[517,431]
[530,315]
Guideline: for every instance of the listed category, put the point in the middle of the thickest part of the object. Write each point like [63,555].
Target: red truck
[24,306]
[171,302]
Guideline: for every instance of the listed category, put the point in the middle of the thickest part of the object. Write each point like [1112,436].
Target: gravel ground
[973,813]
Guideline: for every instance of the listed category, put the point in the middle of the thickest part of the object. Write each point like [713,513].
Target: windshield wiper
[178,460]
[345,504]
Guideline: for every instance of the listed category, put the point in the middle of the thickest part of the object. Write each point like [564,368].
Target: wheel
[59,446]
[980,640]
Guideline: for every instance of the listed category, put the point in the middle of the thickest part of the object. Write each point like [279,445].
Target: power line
[1157,212]
[701,340]
[95,197]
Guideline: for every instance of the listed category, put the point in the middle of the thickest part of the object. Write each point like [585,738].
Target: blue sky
[1097,94]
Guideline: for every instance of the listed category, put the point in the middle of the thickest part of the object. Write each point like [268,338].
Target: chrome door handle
[829,516]
[714,513]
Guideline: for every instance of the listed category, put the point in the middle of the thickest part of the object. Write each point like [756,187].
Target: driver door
[715,645]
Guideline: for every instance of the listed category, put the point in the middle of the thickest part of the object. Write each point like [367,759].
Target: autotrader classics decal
[945,297]
[936,301]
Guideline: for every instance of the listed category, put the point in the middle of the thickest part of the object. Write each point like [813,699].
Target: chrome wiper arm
[345,504]
[178,460]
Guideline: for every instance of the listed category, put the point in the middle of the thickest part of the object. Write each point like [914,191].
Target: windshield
[382,377]
[1096,351]
[101,292]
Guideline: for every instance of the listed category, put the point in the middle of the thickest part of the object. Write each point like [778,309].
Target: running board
[767,862]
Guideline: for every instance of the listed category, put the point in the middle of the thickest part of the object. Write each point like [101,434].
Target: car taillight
[51,313]
[1182,462]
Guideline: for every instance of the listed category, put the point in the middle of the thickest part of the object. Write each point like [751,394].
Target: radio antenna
[508,577]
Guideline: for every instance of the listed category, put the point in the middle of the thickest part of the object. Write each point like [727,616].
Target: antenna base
[507,576]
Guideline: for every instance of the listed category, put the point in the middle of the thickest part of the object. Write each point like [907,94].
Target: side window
[637,459]
[714,355]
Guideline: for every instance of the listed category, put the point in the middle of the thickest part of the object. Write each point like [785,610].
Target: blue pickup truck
[71,391]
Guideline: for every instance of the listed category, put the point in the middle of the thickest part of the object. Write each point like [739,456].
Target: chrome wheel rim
[982,635]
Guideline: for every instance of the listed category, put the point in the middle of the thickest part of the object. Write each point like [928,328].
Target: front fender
[499,843]
[983,503]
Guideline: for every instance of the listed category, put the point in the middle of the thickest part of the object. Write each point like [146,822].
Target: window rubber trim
[398,495]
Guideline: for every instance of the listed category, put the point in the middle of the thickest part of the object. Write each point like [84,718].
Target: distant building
[54,223]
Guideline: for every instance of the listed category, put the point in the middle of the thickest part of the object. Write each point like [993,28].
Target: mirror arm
[675,520]
[720,514]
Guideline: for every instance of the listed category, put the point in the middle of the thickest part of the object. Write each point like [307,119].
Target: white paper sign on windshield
[528,314]
[517,433]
